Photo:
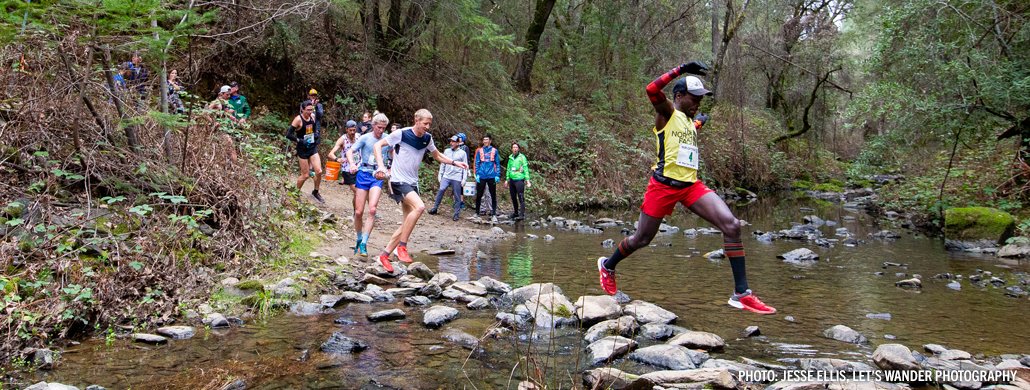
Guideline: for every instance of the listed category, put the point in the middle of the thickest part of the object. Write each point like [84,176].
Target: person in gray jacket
[452,177]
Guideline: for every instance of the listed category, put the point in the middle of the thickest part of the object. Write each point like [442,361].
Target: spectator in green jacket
[238,103]
[516,181]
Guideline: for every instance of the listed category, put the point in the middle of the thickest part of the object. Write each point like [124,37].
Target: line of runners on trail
[376,158]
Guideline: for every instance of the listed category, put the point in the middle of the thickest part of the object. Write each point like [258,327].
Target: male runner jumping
[674,180]
[368,187]
[310,136]
[409,145]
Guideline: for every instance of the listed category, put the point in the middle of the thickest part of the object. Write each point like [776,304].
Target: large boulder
[439,315]
[646,313]
[832,365]
[894,357]
[978,223]
[443,279]
[799,255]
[523,294]
[51,386]
[338,343]
[550,310]
[845,334]
[719,378]
[661,332]
[386,315]
[494,286]
[735,368]
[594,309]
[608,378]
[176,332]
[698,340]
[672,357]
[609,348]
[1014,250]
[420,271]
[625,326]
[469,288]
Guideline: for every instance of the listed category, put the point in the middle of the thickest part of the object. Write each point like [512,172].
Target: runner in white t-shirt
[409,145]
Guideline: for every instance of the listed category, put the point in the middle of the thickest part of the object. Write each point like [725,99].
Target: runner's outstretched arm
[662,106]
[444,160]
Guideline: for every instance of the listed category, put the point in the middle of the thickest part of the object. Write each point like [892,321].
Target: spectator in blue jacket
[488,168]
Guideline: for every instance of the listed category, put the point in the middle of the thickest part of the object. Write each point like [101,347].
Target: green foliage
[251,285]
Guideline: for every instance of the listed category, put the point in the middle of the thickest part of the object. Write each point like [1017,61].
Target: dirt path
[433,232]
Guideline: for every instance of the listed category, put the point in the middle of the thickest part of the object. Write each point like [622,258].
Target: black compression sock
[620,253]
[735,251]
[404,244]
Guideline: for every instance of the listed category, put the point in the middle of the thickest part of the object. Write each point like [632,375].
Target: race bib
[687,156]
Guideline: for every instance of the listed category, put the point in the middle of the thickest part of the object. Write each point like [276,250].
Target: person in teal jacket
[238,102]
[516,181]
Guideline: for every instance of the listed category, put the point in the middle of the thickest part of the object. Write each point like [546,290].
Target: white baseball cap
[225,88]
[691,84]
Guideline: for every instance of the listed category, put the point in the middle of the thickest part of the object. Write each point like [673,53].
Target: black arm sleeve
[290,136]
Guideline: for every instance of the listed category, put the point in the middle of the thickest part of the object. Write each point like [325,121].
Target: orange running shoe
[749,301]
[607,277]
[385,259]
[402,254]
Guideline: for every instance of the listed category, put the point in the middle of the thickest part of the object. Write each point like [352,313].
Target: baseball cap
[312,92]
[352,123]
[455,138]
[691,84]
[234,84]
[225,88]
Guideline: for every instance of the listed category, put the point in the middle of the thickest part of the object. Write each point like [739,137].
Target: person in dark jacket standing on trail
[488,173]
[516,181]
[306,131]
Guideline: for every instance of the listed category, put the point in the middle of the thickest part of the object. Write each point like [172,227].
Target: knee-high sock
[735,251]
[623,251]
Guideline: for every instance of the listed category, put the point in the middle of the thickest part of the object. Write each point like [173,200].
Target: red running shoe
[607,277]
[385,259]
[402,254]
[749,301]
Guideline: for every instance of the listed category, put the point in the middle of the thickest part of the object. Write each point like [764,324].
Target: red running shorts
[660,199]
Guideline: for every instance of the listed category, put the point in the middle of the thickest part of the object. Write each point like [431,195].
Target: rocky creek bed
[849,306]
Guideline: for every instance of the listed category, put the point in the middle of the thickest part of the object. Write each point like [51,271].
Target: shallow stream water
[841,288]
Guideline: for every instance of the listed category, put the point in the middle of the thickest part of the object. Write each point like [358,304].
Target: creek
[842,287]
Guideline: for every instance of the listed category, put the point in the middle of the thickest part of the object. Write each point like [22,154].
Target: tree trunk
[805,124]
[715,28]
[525,65]
[729,31]
[85,99]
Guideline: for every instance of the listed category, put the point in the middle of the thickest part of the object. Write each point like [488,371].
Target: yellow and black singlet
[677,149]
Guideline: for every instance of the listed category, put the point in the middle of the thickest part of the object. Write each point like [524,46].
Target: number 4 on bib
[687,157]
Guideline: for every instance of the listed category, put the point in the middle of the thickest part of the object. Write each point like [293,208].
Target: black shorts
[349,178]
[400,190]
[306,153]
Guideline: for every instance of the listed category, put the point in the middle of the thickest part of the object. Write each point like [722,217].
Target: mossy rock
[562,311]
[801,184]
[828,187]
[866,184]
[978,223]
[15,209]
[251,300]
[251,285]
[837,183]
